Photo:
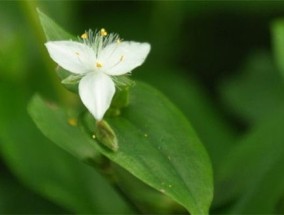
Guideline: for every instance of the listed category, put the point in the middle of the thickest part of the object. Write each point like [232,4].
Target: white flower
[98,57]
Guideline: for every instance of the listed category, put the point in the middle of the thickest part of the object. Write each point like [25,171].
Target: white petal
[73,56]
[96,90]
[121,58]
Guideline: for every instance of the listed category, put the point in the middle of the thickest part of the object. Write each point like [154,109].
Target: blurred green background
[219,62]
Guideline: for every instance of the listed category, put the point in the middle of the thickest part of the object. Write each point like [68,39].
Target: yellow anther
[103,32]
[72,122]
[99,65]
[84,36]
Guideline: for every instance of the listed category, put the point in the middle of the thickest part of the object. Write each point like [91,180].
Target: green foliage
[27,202]
[169,158]
[162,156]
[253,170]
[257,91]
[216,134]
[220,63]
[47,169]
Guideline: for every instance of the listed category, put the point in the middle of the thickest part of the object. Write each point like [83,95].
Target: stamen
[84,36]
[99,65]
[103,32]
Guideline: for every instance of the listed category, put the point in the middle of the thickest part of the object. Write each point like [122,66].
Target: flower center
[99,64]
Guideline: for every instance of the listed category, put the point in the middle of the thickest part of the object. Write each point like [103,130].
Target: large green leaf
[46,168]
[144,197]
[216,134]
[157,145]
[253,172]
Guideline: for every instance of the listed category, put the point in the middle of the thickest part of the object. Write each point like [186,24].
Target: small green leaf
[72,79]
[156,144]
[52,30]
